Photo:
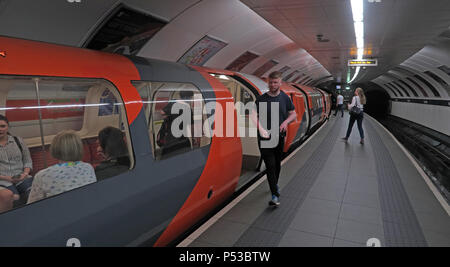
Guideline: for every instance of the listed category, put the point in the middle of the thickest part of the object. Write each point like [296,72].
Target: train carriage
[315,103]
[46,88]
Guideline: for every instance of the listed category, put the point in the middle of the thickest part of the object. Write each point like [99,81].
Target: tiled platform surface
[338,194]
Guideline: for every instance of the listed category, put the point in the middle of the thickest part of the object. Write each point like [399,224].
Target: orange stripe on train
[64,61]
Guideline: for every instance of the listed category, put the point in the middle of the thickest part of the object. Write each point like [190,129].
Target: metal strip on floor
[269,228]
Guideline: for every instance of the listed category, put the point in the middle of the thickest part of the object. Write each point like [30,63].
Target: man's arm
[254,117]
[292,117]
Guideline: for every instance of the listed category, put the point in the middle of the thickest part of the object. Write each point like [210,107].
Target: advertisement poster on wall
[242,61]
[288,77]
[265,68]
[202,51]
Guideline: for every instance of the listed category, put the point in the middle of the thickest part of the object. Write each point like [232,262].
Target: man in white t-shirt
[340,105]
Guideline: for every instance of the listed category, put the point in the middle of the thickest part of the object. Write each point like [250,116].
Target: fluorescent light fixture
[360,53]
[359,29]
[360,43]
[356,74]
[358,19]
[358,10]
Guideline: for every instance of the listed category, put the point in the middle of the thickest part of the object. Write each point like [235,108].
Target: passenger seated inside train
[69,173]
[165,139]
[113,148]
[15,162]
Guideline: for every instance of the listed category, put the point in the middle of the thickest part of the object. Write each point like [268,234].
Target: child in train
[113,147]
[69,173]
[15,162]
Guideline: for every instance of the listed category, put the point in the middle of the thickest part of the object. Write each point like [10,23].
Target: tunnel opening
[378,105]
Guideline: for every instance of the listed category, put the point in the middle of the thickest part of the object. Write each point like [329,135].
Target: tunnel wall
[431,116]
[430,106]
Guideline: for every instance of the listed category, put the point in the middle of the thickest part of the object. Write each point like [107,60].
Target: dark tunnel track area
[430,148]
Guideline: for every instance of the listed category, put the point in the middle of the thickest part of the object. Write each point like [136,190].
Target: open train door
[293,130]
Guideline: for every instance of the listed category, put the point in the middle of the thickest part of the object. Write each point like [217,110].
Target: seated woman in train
[15,162]
[113,147]
[69,173]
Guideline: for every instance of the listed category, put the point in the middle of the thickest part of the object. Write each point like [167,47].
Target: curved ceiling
[426,74]
[394,30]
[401,34]
[188,21]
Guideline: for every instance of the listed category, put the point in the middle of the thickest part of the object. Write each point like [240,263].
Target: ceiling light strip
[358,19]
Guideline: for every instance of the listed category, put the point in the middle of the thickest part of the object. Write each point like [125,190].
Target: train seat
[38,157]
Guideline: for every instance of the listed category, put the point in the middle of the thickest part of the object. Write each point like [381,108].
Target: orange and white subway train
[47,88]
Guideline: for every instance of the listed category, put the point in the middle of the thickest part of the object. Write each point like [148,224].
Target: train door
[317,110]
[325,104]
[302,116]
[307,117]
[293,126]
[244,98]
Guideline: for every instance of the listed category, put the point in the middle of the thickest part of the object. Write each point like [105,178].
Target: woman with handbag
[356,110]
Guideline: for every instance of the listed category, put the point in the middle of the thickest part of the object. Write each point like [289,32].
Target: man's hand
[264,133]
[283,127]
[292,117]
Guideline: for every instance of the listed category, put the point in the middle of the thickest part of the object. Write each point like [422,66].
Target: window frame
[123,117]
[150,120]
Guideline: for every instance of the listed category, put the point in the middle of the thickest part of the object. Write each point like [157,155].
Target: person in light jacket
[359,100]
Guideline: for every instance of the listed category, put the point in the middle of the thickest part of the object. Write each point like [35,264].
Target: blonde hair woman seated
[68,174]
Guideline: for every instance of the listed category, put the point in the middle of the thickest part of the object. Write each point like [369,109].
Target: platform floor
[337,194]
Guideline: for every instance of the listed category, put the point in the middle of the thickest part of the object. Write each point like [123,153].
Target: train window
[246,97]
[240,92]
[164,106]
[41,108]
[261,84]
